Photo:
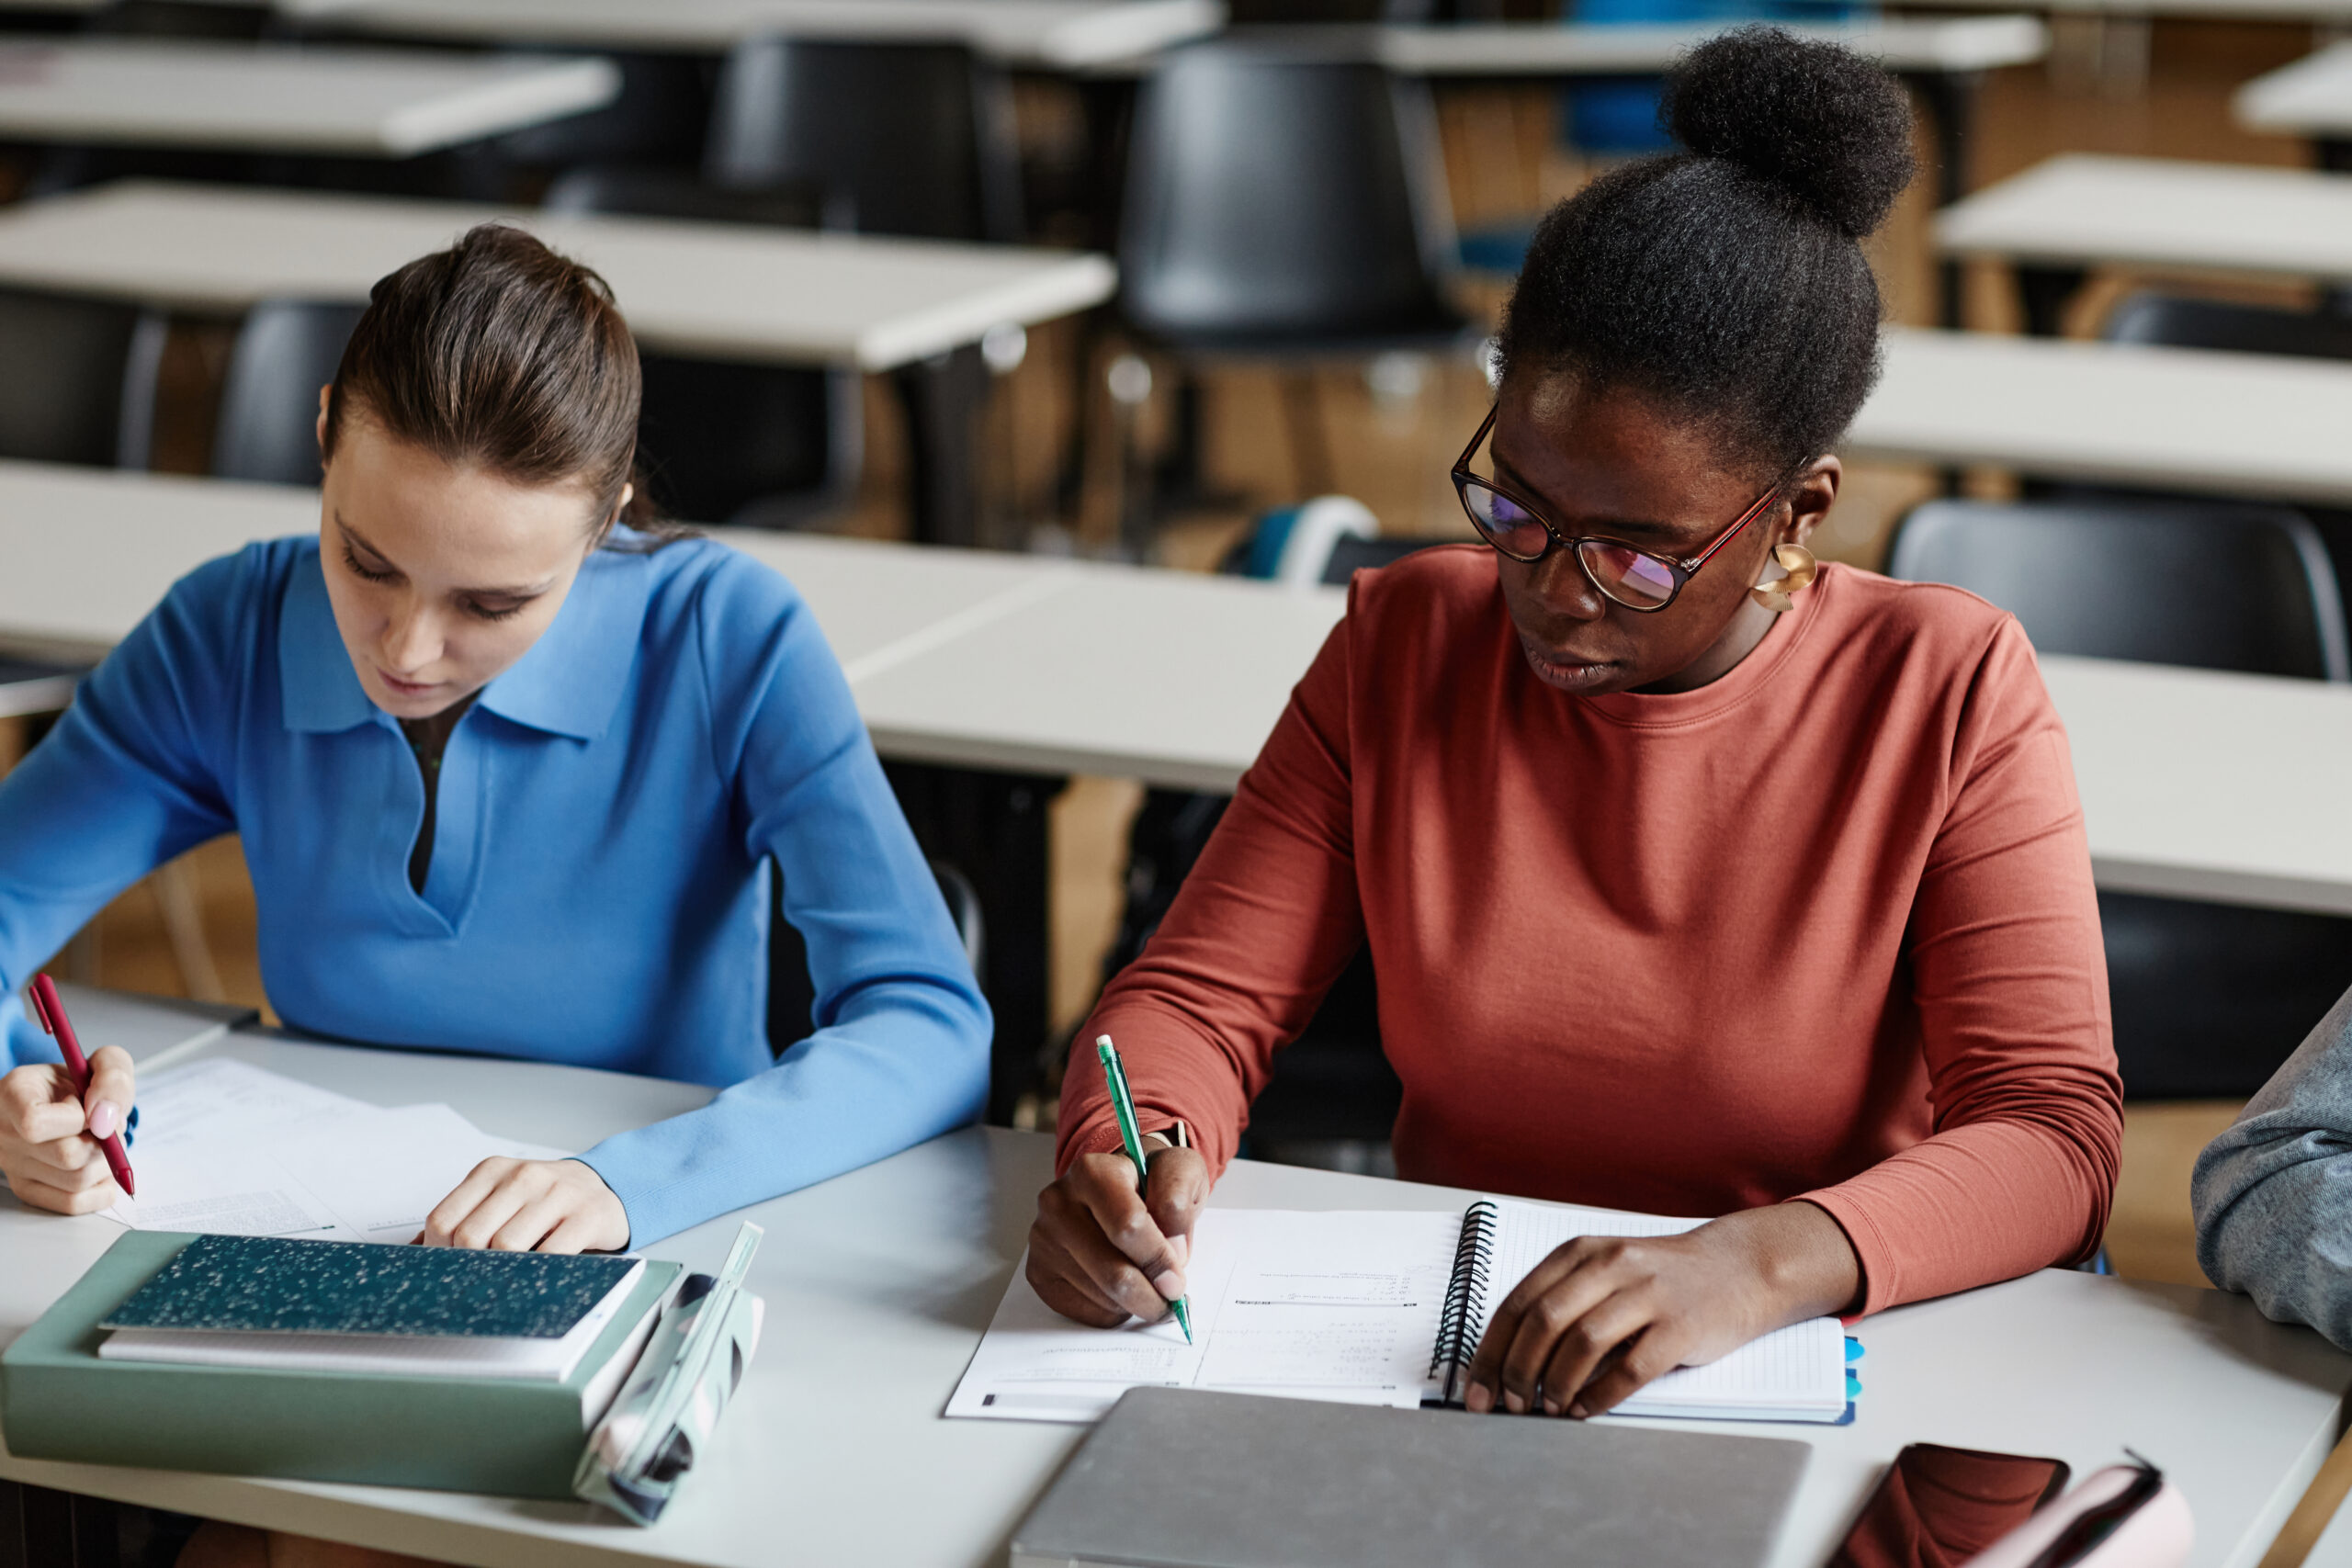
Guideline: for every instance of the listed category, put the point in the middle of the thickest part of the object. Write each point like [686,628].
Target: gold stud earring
[1792,571]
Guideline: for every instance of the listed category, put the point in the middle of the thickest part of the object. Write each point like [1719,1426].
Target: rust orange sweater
[1822,928]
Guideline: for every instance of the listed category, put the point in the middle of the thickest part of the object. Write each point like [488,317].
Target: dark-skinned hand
[1100,1252]
[1603,1315]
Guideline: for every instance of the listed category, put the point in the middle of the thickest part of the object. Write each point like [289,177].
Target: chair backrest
[1351,556]
[652,191]
[79,386]
[286,350]
[792,994]
[916,138]
[1275,193]
[2215,585]
[660,114]
[2178,321]
[762,445]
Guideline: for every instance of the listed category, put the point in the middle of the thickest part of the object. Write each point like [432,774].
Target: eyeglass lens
[1628,575]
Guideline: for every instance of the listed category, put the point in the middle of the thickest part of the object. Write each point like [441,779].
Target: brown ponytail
[501,352]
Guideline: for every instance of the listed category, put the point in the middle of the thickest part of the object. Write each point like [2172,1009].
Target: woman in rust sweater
[1697,880]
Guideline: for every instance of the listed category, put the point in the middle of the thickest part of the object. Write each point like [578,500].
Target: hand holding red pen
[56,1122]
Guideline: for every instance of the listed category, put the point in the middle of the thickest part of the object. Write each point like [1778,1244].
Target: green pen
[1124,1104]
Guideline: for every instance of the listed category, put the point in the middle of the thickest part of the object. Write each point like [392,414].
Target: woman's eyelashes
[480,610]
[360,569]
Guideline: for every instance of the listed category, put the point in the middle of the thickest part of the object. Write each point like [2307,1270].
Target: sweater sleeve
[2273,1194]
[2010,977]
[129,778]
[900,1050]
[1258,933]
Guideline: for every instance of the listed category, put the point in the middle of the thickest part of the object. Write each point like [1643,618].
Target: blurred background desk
[773,295]
[1054,33]
[365,103]
[2068,214]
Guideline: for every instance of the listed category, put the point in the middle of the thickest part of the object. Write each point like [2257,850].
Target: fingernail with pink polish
[104,1118]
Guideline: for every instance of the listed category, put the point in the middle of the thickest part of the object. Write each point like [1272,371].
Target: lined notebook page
[1795,1373]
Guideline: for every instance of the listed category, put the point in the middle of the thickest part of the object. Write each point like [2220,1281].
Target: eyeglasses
[1517,527]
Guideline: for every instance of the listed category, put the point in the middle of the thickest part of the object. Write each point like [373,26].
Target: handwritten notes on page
[1338,1306]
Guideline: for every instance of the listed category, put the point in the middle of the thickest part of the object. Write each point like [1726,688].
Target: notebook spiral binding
[1460,1323]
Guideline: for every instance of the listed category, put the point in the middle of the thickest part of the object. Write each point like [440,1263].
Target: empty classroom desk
[879,1283]
[277,99]
[729,292]
[2237,424]
[2310,98]
[1942,58]
[2070,213]
[1054,34]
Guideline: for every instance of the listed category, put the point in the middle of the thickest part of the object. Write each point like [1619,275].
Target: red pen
[51,1009]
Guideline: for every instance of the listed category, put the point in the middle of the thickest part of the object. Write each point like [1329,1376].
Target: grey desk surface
[879,1283]
[1944,45]
[2234,424]
[2085,210]
[272,98]
[2311,97]
[1049,33]
[729,290]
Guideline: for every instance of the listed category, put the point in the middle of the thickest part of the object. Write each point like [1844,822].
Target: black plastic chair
[2208,998]
[762,445]
[792,995]
[660,115]
[79,386]
[268,428]
[1284,205]
[2213,584]
[915,139]
[2174,321]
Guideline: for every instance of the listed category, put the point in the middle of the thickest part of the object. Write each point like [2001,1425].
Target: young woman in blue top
[508,773]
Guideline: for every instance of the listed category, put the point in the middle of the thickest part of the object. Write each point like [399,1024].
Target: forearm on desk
[904,1063]
[2273,1194]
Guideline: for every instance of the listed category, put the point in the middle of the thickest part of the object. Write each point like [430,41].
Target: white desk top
[999,661]
[2237,424]
[2082,208]
[879,1283]
[1537,49]
[2318,13]
[1058,33]
[2311,97]
[724,289]
[273,98]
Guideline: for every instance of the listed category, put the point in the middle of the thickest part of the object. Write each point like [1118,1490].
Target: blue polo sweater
[598,891]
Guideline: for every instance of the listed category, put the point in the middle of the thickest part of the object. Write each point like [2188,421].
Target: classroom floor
[1391,433]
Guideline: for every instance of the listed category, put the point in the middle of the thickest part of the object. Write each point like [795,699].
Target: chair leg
[1310,452]
[181,900]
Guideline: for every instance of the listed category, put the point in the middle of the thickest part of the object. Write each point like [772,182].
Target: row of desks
[2209,422]
[879,1283]
[2194,784]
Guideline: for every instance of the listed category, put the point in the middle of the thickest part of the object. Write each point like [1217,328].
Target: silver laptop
[1178,1478]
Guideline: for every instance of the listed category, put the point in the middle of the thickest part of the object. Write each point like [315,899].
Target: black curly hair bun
[1820,123]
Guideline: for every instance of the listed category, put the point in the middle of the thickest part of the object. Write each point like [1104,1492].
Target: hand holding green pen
[1122,1105]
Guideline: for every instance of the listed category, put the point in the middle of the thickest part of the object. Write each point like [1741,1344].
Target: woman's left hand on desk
[1603,1316]
[525,1205]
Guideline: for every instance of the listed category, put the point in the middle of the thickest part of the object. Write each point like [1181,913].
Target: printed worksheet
[1340,1306]
[230,1149]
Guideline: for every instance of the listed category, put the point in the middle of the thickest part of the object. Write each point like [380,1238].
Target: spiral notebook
[1369,1307]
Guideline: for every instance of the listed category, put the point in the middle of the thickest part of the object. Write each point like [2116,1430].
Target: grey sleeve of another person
[2274,1193]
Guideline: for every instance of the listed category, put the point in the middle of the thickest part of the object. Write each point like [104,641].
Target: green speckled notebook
[270,1284]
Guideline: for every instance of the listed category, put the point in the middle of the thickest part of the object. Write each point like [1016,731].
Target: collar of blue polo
[569,683]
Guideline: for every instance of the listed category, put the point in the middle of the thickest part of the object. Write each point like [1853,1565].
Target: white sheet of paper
[1283,1302]
[236,1150]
